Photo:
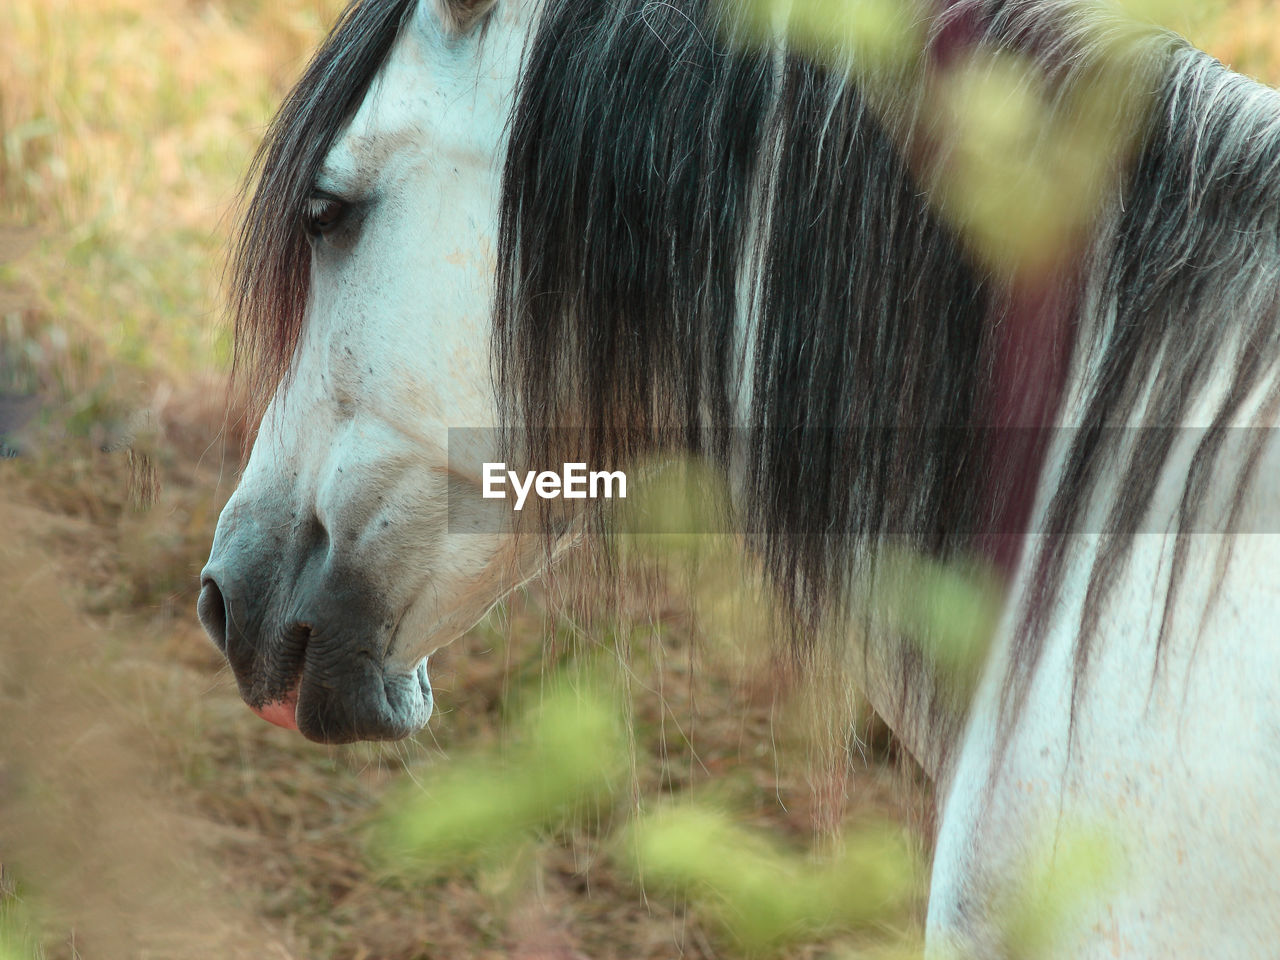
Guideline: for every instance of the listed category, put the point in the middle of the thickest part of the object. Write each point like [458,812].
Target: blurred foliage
[874,38]
[1024,177]
[1065,874]
[15,941]
[766,896]
[1022,169]
[570,751]
[949,611]
[570,754]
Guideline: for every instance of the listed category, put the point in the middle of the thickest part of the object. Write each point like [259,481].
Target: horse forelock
[269,270]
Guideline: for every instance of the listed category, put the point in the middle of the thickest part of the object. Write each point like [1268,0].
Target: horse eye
[321,214]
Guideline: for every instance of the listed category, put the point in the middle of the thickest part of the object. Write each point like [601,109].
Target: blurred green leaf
[763,895]
[570,750]
[1069,873]
[867,36]
[949,610]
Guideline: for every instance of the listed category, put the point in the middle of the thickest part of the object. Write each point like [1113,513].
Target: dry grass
[184,827]
[125,155]
[143,811]
[1242,34]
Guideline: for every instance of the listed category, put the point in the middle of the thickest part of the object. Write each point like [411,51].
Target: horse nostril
[212,610]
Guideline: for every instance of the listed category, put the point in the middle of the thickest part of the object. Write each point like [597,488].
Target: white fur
[1176,776]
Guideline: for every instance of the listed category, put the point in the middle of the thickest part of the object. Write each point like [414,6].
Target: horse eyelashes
[322,214]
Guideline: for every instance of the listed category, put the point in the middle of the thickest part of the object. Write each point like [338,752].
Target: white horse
[619,216]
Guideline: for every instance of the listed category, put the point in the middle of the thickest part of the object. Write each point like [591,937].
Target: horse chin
[283,713]
[366,703]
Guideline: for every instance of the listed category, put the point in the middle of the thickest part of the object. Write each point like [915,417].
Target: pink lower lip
[283,713]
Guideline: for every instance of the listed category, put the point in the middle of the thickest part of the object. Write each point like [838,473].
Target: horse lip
[371,704]
[315,684]
[284,712]
[276,699]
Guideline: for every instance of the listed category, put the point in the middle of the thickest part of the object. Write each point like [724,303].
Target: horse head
[364,283]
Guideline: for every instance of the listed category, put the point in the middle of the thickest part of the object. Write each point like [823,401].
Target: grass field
[143,811]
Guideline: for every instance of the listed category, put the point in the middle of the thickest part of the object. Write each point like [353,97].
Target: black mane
[664,179]
[669,185]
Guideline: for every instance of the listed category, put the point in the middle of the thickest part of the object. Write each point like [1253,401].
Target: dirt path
[123,867]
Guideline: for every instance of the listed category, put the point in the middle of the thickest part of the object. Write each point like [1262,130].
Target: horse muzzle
[324,672]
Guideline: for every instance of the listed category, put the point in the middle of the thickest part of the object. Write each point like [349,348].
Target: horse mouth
[328,684]
[364,704]
[270,676]
[363,700]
